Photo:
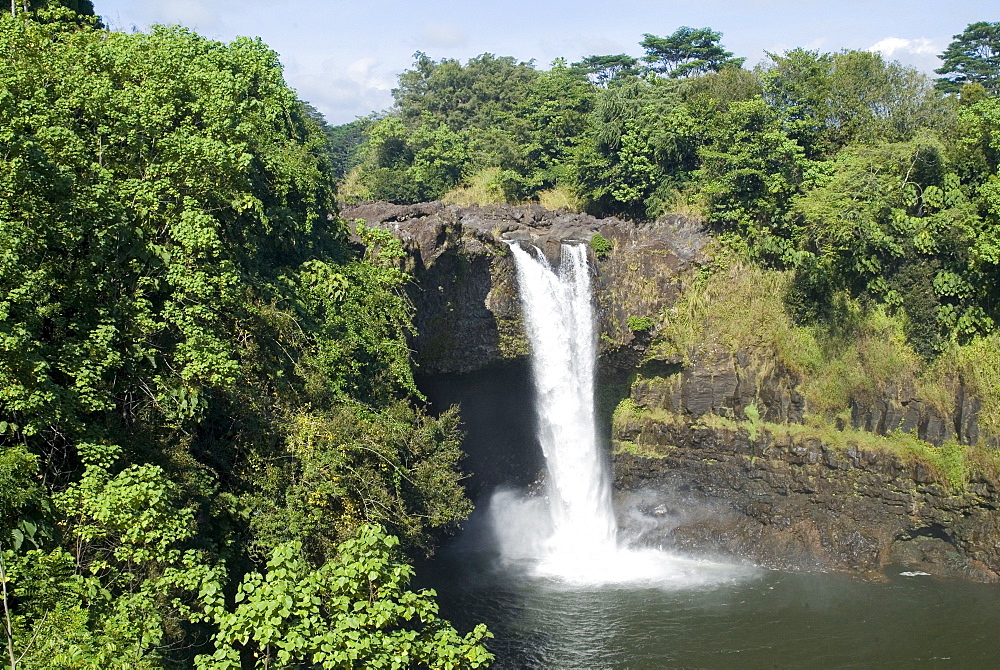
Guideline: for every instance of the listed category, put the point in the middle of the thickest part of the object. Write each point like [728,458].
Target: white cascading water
[570,533]
[559,321]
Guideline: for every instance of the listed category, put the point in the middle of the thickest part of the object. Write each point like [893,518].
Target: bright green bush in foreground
[203,383]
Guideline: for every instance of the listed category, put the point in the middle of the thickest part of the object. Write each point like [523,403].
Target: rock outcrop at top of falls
[465,292]
[712,450]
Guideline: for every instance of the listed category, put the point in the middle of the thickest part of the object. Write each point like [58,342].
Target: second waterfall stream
[567,531]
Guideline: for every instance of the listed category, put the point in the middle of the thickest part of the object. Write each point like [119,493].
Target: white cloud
[591,45]
[366,73]
[443,35]
[197,14]
[342,92]
[920,53]
[921,46]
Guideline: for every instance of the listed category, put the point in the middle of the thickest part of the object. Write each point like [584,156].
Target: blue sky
[344,57]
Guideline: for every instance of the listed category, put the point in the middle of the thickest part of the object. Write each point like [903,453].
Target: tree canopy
[687,51]
[853,170]
[973,58]
[604,70]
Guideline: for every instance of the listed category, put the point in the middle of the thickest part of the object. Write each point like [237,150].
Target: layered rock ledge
[796,503]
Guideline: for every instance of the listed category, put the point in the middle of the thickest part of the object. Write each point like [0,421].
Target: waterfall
[559,321]
[569,533]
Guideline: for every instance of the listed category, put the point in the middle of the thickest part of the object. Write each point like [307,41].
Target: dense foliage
[856,172]
[686,52]
[205,390]
[211,447]
[455,121]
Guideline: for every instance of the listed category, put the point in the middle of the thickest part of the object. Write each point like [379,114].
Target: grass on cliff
[352,188]
[483,188]
[978,365]
[486,187]
[559,197]
[732,306]
[951,464]
[637,449]
[860,353]
[629,414]
[736,306]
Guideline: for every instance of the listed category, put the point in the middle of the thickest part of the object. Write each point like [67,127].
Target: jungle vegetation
[212,450]
[862,175]
[865,191]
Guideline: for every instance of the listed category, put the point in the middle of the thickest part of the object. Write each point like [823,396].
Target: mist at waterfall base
[578,595]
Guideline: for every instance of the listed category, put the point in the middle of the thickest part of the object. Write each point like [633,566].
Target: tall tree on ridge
[603,70]
[688,51]
[974,57]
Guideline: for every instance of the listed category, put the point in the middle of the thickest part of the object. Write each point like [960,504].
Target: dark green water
[755,619]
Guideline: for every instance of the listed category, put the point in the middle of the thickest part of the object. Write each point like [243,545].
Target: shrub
[640,323]
[601,245]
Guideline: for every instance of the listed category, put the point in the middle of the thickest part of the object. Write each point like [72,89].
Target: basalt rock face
[725,384]
[796,503]
[901,410]
[465,288]
[696,469]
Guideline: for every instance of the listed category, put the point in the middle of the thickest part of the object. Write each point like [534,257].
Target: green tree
[183,315]
[81,7]
[973,57]
[797,86]
[413,164]
[750,170]
[640,148]
[453,122]
[449,121]
[346,142]
[481,93]
[607,70]
[827,101]
[349,465]
[351,612]
[894,221]
[548,124]
[687,52]
[872,100]
[978,156]
[712,92]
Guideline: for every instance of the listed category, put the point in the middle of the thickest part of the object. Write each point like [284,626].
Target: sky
[344,57]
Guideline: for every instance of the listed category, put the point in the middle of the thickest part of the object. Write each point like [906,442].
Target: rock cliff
[790,501]
[707,456]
